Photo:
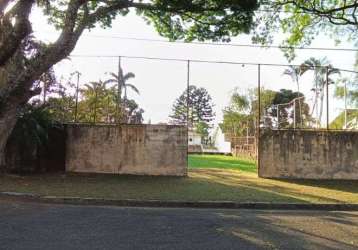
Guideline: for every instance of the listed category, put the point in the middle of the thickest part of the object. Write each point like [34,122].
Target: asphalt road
[45,226]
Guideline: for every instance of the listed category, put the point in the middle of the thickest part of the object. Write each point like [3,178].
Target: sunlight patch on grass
[221,162]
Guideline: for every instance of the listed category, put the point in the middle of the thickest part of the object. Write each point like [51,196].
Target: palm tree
[322,71]
[295,72]
[122,86]
[95,92]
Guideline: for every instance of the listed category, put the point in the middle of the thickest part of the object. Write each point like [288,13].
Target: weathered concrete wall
[127,149]
[309,154]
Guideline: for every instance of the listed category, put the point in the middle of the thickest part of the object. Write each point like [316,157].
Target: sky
[161,82]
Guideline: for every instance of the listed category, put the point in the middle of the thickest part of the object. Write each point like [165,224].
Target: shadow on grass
[202,185]
[341,185]
[141,188]
[300,191]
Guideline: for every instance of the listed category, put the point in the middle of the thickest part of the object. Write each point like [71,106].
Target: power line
[224,44]
[215,44]
[205,61]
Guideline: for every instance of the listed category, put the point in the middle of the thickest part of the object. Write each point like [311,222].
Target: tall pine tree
[200,108]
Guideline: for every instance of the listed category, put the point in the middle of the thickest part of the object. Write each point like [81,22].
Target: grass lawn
[211,178]
[201,185]
[221,162]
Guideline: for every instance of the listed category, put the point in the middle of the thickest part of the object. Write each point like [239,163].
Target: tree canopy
[24,60]
[302,21]
[240,116]
[195,110]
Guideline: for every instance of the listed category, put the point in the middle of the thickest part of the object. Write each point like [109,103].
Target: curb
[177,204]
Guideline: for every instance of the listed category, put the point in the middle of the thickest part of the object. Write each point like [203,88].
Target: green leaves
[301,22]
[33,125]
[200,107]
[181,19]
[202,20]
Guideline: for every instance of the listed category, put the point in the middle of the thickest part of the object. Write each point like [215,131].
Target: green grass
[221,162]
[201,185]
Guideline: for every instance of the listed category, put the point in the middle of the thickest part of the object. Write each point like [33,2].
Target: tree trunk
[7,123]
[321,106]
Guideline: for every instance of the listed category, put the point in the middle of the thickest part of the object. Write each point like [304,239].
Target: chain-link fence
[219,101]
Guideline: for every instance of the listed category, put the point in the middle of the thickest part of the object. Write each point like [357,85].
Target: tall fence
[122,89]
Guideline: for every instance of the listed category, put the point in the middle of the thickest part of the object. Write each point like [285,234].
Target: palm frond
[110,81]
[134,88]
[114,75]
[128,76]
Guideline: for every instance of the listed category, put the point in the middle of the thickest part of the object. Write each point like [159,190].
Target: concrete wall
[309,154]
[127,149]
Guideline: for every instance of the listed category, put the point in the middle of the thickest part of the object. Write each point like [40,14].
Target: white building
[220,144]
[194,139]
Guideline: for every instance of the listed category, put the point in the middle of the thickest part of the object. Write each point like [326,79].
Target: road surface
[25,225]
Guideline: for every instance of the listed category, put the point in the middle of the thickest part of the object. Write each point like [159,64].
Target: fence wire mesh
[145,90]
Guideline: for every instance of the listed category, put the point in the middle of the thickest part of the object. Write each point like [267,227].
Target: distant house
[215,144]
[194,142]
[219,142]
[194,138]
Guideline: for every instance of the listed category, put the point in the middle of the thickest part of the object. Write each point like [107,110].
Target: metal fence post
[294,113]
[119,116]
[187,94]
[345,105]
[259,116]
[327,97]
[187,107]
[278,115]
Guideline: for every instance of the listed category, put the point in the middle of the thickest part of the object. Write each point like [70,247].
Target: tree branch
[3,5]
[335,15]
[12,36]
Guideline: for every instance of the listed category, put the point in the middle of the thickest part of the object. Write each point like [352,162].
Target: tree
[134,114]
[303,20]
[347,87]
[238,118]
[323,72]
[345,120]
[295,73]
[200,108]
[30,137]
[121,85]
[95,99]
[189,20]
[241,116]
[97,104]
[285,108]
[347,90]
